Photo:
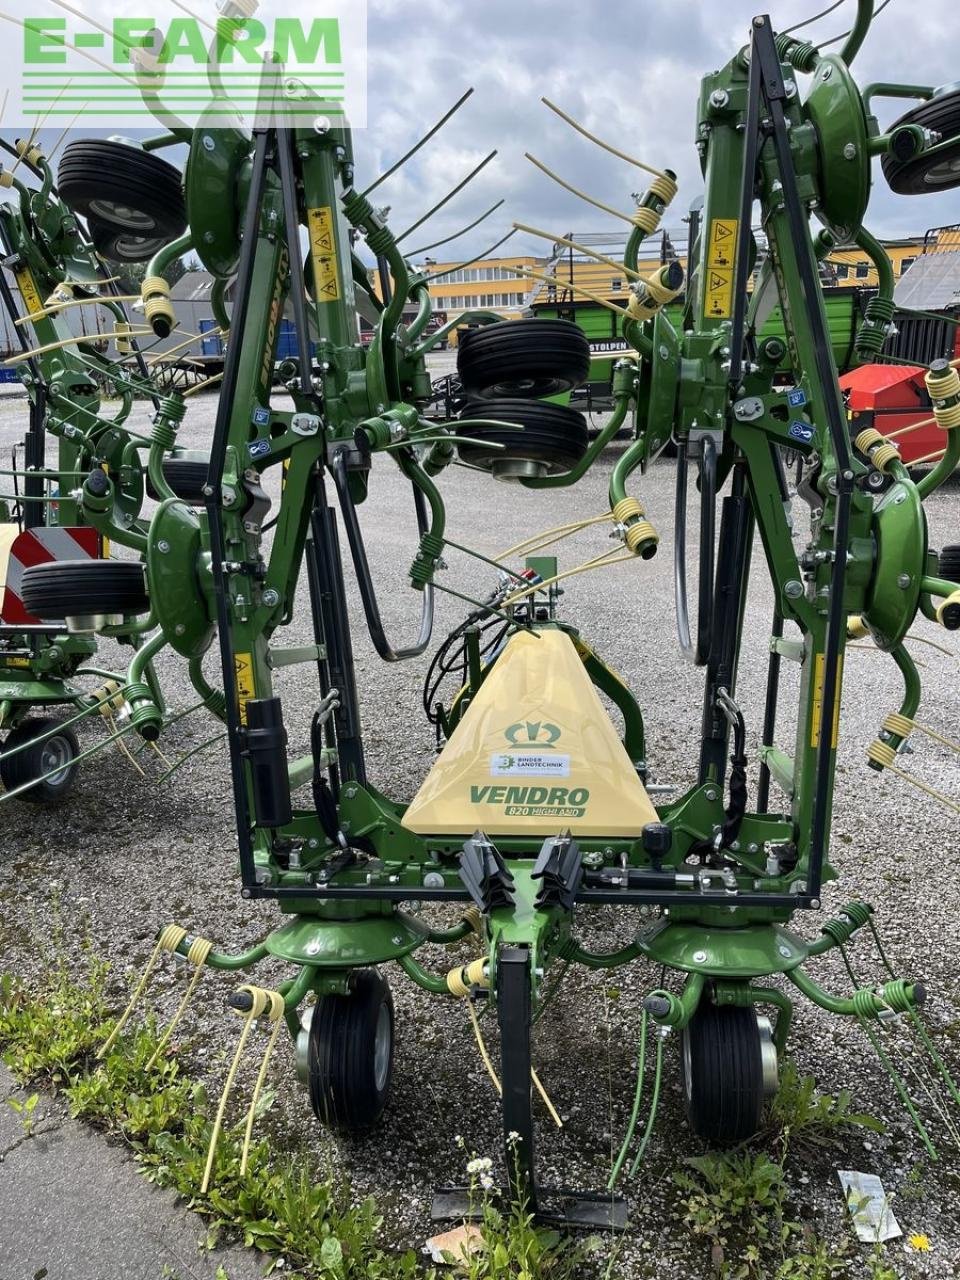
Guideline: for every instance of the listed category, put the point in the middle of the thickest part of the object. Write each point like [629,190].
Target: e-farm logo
[289,63]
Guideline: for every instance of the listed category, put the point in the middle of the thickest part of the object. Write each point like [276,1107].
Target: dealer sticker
[529,764]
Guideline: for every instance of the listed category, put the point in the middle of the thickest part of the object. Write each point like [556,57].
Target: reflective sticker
[817,702]
[801,431]
[257,448]
[796,397]
[323,252]
[246,688]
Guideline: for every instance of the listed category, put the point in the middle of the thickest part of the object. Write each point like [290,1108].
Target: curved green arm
[424,309]
[911,691]
[588,459]
[169,253]
[627,463]
[606,960]
[218,303]
[944,468]
[224,960]
[430,982]
[676,1011]
[416,474]
[213,699]
[145,654]
[97,509]
[465,317]
[938,587]
[858,33]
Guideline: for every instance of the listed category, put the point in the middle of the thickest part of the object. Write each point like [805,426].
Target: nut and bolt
[904,581]
[163,546]
[271,597]
[208,142]
[793,589]
[710,794]
[699,957]
[719,98]
[785,951]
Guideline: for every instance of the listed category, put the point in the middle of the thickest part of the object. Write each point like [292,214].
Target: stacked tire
[507,369]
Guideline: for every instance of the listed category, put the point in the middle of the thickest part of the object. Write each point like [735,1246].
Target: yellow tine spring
[200,948]
[169,940]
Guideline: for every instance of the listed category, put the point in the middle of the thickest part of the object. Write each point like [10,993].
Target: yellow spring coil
[866,439]
[647,219]
[197,954]
[64,292]
[110,696]
[6,178]
[641,537]
[856,627]
[651,296]
[474,919]
[124,345]
[169,940]
[460,980]
[155,294]
[263,1003]
[951,600]
[941,387]
[899,724]
[884,455]
[664,188]
[27,151]
[883,754]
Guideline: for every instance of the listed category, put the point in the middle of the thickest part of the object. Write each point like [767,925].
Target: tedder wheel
[929,172]
[84,588]
[729,1069]
[118,245]
[553,438]
[950,563]
[122,189]
[186,476]
[527,358]
[54,756]
[349,1050]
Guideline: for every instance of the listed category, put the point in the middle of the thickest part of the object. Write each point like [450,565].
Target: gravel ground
[123,856]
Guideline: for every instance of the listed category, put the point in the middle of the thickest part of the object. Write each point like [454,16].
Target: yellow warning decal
[323,251]
[246,688]
[817,702]
[11,661]
[28,290]
[721,261]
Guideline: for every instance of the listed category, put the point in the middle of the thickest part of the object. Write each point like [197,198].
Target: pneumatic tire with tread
[57,752]
[117,245]
[523,358]
[350,1054]
[186,477]
[922,173]
[723,1073]
[75,588]
[121,188]
[949,563]
[552,434]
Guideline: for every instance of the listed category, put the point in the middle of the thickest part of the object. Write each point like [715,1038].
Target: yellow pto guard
[534,753]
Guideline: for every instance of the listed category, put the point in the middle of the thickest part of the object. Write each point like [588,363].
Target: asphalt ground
[125,854]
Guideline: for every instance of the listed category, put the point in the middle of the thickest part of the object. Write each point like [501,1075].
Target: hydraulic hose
[361,566]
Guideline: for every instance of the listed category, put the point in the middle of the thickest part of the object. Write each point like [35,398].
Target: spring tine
[414,253]
[476,258]
[414,149]
[447,198]
[84,755]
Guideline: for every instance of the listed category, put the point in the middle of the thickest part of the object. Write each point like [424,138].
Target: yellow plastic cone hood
[534,753]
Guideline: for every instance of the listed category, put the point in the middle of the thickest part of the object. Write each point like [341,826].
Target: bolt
[793,589]
[271,597]
[433,880]
[208,237]
[719,98]
[397,940]
[815,903]
[785,951]
[699,957]
[179,629]
[850,151]
[826,73]
[903,582]
[312,947]
[710,794]
[790,88]
[163,546]
[349,792]
[208,142]
[663,351]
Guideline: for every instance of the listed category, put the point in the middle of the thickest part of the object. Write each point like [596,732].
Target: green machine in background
[342,860]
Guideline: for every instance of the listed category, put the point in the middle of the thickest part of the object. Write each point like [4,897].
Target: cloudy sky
[629,69]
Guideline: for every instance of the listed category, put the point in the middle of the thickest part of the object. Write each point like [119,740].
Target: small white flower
[486,1181]
[513,1138]
[479,1164]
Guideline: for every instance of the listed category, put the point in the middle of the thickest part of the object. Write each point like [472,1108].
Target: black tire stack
[506,368]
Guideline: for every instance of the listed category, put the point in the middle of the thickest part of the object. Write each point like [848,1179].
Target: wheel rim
[948,171]
[687,1071]
[382,1045]
[122,215]
[55,758]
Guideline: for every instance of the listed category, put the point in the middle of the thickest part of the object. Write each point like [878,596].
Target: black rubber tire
[349,1084]
[34,761]
[75,588]
[920,175]
[186,477]
[121,246]
[523,359]
[722,1071]
[122,187]
[950,563]
[553,434]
